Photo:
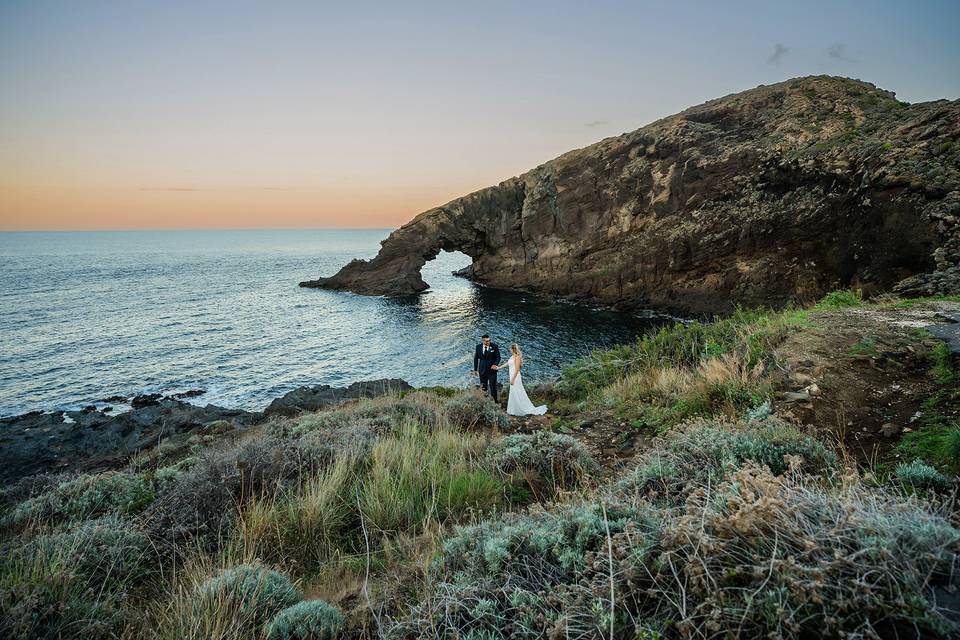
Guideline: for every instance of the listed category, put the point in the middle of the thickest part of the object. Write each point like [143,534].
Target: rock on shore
[312,398]
[39,441]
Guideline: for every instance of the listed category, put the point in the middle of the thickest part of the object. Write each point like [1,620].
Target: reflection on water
[86,315]
[448,320]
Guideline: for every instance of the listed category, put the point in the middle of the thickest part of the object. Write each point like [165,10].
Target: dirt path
[859,376]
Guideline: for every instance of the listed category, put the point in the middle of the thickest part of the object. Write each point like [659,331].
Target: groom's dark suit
[483,359]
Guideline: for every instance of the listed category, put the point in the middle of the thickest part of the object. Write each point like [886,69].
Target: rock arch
[476,225]
[730,202]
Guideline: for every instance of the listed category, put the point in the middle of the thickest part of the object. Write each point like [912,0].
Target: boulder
[889,429]
[317,397]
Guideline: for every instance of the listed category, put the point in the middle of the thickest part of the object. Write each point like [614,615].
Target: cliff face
[775,194]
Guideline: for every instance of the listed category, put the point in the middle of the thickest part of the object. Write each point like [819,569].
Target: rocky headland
[774,195]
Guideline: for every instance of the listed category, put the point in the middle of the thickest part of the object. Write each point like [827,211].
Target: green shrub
[103,553]
[760,411]
[512,577]
[51,606]
[87,496]
[770,443]
[789,558]
[202,503]
[439,390]
[72,584]
[165,478]
[364,413]
[469,410]
[754,555]
[376,415]
[709,452]
[309,620]
[841,299]
[252,592]
[557,458]
[920,475]
[426,409]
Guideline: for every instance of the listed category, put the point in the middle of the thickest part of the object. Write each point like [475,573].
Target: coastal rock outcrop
[319,396]
[59,441]
[769,196]
[91,438]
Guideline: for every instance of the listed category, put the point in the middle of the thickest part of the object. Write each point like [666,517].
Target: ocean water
[86,315]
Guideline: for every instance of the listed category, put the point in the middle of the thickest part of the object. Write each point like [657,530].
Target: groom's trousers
[488,382]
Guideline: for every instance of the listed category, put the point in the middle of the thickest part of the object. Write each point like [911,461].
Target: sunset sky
[167,114]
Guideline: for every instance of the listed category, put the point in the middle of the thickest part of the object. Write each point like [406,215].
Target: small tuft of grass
[942,367]
[864,347]
[557,459]
[920,475]
[303,526]
[935,444]
[841,299]
[308,620]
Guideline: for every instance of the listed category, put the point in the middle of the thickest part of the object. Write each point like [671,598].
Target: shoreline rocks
[54,441]
[317,397]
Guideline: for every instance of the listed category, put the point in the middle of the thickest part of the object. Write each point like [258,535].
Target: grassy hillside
[739,510]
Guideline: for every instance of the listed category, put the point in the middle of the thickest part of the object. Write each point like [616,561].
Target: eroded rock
[777,194]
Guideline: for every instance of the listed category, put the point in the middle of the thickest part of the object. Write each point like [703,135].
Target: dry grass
[749,335]
[787,556]
[420,476]
[666,395]
[302,527]
[175,615]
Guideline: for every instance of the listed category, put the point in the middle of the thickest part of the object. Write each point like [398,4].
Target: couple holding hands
[486,364]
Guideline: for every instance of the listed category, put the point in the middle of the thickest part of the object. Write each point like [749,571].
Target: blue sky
[145,114]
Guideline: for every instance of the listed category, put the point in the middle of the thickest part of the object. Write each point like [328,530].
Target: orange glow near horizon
[78,208]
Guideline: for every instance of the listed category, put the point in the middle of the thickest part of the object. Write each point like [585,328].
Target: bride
[518,404]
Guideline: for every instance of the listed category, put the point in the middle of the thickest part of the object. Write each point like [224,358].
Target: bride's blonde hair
[515,349]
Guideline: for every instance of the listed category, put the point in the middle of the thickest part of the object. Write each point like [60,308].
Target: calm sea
[85,315]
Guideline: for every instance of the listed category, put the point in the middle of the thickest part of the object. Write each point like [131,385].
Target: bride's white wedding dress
[518,404]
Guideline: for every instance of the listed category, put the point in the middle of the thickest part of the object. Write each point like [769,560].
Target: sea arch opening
[446,267]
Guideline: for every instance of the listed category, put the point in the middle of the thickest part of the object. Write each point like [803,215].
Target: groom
[485,357]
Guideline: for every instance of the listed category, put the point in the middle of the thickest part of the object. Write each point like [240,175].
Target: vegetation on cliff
[740,510]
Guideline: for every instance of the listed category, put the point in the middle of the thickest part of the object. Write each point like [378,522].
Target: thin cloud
[171,189]
[193,189]
[595,123]
[779,51]
[838,51]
